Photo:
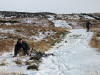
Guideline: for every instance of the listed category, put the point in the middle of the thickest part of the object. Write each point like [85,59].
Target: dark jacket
[23,45]
[88,24]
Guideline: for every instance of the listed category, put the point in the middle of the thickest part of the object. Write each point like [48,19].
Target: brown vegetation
[5,73]
[26,31]
[3,63]
[95,42]
[50,41]
[18,62]
[6,45]
[33,67]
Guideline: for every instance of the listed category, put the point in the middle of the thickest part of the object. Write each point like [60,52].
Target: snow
[75,17]
[51,18]
[8,24]
[61,23]
[1,16]
[98,38]
[7,30]
[42,36]
[88,17]
[2,37]
[38,38]
[75,57]
[11,66]
[28,20]
[73,23]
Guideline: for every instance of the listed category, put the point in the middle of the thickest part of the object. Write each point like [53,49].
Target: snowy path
[74,57]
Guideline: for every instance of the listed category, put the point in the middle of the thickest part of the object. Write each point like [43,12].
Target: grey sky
[58,6]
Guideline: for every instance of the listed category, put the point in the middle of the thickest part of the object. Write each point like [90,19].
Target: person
[21,45]
[88,26]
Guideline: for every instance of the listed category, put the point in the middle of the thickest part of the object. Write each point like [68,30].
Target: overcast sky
[57,6]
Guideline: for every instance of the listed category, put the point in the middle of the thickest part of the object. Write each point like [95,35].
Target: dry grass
[48,42]
[5,73]
[30,30]
[18,62]
[27,31]
[6,45]
[3,64]
[28,63]
[33,67]
[95,42]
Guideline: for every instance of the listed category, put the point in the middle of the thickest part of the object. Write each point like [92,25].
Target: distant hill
[24,14]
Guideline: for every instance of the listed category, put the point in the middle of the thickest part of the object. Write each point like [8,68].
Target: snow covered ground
[74,57]
[61,23]
[8,65]
[42,35]
[75,17]
[88,17]
[7,30]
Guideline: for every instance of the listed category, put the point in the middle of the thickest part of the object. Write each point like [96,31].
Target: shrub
[8,21]
[3,64]
[33,67]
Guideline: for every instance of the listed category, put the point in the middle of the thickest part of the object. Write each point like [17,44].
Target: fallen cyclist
[21,45]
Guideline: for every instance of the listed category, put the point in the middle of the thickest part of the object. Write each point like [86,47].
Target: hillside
[62,38]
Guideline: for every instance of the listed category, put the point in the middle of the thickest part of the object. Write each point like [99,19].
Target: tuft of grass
[3,64]
[33,67]
[95,42]
[32,62]
[28,63]
[8,21]
[35,58]
[18,62]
